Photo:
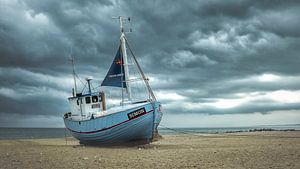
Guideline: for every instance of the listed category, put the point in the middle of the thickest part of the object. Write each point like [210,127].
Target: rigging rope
[135,72]
[180,131]
[66,136]
[141,72]
[84,87]
[79,79]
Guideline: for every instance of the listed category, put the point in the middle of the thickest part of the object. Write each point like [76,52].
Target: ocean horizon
[7,133]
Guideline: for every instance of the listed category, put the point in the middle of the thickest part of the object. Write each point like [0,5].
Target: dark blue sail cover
[115,75]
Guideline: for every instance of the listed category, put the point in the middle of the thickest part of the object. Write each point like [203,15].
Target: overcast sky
[210,63]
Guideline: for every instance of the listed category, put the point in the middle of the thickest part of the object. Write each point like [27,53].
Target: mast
[123,49]
[74,74]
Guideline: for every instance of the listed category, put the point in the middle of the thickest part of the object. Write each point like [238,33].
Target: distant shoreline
[261,129]
[166,131]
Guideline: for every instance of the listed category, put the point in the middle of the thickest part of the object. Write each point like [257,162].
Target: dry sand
[238,150]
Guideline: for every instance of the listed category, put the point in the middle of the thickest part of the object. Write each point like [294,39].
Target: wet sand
[236,150]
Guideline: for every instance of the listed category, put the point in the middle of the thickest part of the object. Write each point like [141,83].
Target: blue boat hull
[137,123]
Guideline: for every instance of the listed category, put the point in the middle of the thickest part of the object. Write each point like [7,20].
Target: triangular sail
[115,76]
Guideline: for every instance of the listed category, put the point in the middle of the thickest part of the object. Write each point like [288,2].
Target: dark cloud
[199,55]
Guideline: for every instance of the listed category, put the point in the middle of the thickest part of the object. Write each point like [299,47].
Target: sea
[41,133]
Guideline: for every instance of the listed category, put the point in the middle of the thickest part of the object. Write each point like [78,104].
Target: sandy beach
[236,150]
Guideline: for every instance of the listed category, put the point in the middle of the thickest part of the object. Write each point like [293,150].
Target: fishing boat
[91,121]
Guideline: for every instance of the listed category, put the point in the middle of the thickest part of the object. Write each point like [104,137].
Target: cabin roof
[79,95]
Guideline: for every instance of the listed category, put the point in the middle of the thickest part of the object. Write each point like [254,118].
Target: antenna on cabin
[88,79]
[123,20]
[129,20]
[72,59]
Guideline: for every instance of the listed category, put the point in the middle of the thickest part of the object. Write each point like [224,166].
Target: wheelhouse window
[95,99]
[87,100]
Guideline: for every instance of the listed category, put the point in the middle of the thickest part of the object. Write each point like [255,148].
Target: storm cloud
[202,57]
